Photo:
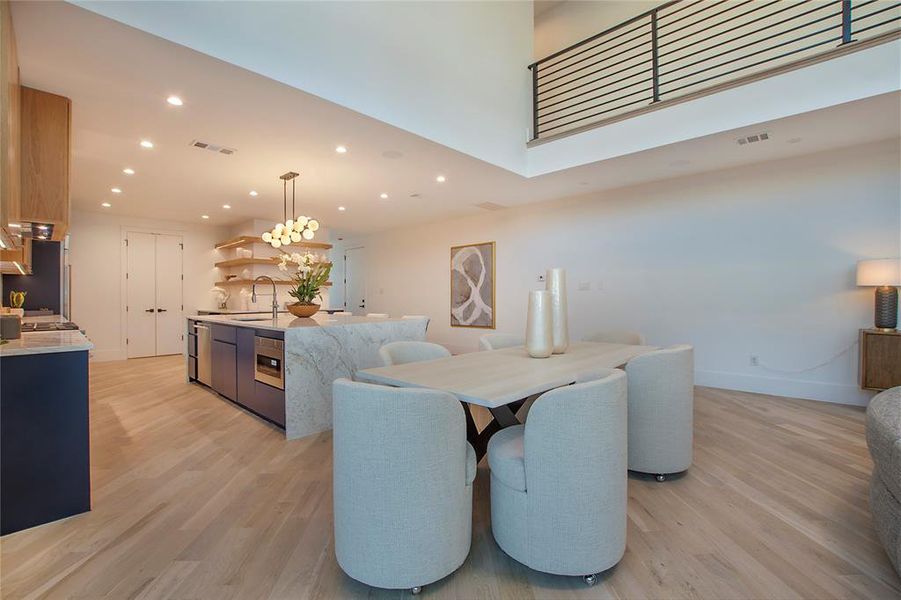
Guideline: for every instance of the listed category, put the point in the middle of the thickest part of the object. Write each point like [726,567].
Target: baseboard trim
[837,393]
[107,355]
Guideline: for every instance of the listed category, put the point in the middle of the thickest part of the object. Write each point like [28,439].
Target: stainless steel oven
[269,361]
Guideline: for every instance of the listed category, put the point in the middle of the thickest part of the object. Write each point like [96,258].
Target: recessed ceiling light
[204,216]
[383,196]
[441,179]
[146,144]
[341,150]
[253,193]
[115,190]
[341,208]
[174,101]
[128,171]
[226,206]
[106,205]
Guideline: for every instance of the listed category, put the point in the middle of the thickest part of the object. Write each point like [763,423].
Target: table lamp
[884,274]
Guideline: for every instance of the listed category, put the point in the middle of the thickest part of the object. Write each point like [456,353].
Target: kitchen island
[283,370]
[44,431]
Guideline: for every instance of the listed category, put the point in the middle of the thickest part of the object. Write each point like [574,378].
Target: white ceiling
[118,79]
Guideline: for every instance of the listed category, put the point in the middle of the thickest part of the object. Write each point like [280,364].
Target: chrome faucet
[253,295]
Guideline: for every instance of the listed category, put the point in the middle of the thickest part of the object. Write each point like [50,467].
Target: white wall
[453,72]
[96,243]
[753,260]
[571,22]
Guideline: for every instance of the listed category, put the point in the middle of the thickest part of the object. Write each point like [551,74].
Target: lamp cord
[813,368]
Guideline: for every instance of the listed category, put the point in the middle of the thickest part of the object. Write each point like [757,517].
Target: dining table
[500,380]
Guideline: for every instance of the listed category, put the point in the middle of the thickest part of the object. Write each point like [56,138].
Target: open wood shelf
[249,240]
[250,282]
[241,262]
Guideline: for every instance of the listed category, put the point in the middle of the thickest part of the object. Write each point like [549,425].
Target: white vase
[556,285]
[539,333]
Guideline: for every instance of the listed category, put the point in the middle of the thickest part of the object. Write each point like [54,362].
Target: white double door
[153,284]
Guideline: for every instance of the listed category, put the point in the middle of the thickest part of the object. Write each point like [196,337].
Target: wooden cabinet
[10,146]
[45,131]
[224,369]
[17,260]
[880,359]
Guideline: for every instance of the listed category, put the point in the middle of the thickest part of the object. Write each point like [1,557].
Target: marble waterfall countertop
[45,342]
[320,350]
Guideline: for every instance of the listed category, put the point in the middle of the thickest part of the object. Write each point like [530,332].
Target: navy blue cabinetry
[224,369]
[233,366]
[45,470]
[246,365]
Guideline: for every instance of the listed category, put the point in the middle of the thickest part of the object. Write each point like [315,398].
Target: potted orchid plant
[308,273]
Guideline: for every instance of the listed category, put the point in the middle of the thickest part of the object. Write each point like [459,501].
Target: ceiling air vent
[759,137]
[213,147]
[491,206]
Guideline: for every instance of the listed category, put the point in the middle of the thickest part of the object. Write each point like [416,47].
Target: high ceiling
[119,78]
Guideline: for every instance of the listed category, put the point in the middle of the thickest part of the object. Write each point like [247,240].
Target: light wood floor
[194,498]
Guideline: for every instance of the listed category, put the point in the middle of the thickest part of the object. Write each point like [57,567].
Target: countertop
[286,322]
[46,342]
[235,311]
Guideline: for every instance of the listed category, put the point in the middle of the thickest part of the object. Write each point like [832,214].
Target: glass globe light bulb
[313,225]
[295,237]
[302,221]
[286,239]
[267,237]
[278,229]
[276,243]
[298,226]
[307,234]
[289,224]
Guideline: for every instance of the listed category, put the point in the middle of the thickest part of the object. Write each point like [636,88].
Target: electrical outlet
[541,278]
[754,361]
[584,286]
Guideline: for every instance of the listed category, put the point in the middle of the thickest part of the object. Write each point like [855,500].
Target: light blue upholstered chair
[399,353]
[558,483]
[496,341]
[616,337]
[661,404]
[403,474]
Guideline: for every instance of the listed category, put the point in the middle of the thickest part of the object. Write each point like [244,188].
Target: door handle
[148,310]
[161,310]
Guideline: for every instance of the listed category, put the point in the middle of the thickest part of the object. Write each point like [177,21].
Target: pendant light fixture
[292,230]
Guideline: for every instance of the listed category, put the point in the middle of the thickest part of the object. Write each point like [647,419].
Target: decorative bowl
[303,310]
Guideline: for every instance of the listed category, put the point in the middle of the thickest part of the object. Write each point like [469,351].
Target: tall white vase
[556,285]
[539,328]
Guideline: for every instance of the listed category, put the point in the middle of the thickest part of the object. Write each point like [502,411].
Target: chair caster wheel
[590,580]
[661,478]
[416,590]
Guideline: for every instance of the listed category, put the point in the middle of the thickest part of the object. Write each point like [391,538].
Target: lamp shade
[879,272]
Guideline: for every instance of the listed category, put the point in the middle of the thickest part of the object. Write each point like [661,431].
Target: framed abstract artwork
[472,286]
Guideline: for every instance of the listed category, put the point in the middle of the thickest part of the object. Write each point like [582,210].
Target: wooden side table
[880,358]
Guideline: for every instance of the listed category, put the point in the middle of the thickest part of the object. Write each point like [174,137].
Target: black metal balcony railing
[686,46]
